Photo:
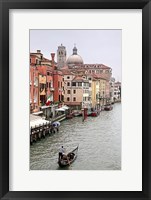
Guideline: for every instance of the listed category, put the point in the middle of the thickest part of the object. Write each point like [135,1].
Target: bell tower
[61,56]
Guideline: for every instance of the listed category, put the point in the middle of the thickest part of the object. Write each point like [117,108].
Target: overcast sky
[94,46]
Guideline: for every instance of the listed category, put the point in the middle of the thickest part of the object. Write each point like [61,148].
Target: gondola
[71,156]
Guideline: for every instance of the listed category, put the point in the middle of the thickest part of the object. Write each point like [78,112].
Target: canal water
[99,140]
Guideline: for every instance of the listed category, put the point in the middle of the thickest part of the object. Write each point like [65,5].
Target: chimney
[38,51]
[53,61]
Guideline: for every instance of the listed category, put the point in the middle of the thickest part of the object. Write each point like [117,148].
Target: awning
[74,103]
[65,107]
[37,113]
[60,109]
[45,107]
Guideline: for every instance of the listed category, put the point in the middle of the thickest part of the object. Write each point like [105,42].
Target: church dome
[74,59]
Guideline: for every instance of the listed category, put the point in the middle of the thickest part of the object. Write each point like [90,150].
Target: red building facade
[46,81]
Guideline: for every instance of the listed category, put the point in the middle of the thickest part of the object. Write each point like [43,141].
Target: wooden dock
[40,128]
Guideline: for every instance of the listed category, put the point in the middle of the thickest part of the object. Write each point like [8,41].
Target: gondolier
[61,152]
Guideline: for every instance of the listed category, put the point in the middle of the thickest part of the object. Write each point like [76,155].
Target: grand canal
[99,140]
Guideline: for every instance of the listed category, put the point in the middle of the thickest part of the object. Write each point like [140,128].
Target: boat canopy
[38,113]
[45,107]
[60,109]
[65,107]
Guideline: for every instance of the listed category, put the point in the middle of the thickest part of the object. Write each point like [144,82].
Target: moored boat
[77,114]
[69,158]
[108,107]
[94,114]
